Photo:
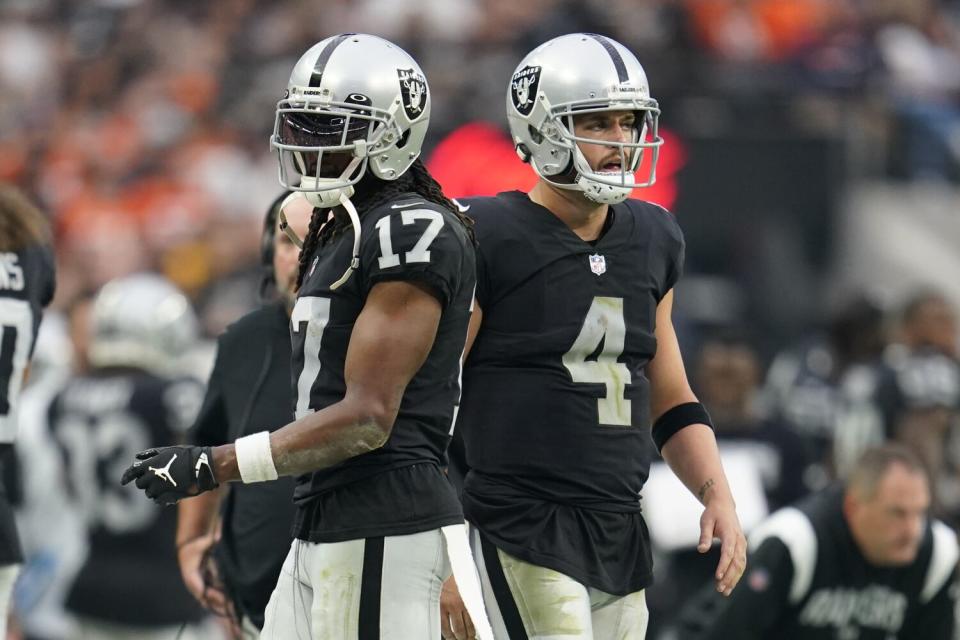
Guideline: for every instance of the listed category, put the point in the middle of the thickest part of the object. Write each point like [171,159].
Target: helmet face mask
[354,103]
[577,75]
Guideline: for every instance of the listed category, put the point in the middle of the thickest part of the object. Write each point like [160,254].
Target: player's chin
[903,554]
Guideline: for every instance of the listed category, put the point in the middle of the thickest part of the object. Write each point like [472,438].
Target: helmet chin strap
[313,189]
[593,191]
[355,222]
[597,191]
[602,193]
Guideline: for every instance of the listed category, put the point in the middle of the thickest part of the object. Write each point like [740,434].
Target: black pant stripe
[368,627]
[501,591]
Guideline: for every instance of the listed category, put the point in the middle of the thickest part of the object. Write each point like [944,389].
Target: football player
[131,398]
[385,289]
[248,390]
[27,281]
[575,356]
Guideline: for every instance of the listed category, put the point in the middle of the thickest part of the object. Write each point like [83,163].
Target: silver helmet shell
[572,75]
[357,96]
[141,321]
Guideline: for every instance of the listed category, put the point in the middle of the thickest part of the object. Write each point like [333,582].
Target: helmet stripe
[324,57]
[614,55]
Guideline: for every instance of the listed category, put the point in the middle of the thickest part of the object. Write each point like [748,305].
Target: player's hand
[196,567]
[168,474]
[719,520]
[455,622]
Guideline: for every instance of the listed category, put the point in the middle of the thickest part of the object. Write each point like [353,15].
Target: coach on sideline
[249,390]
[858,562]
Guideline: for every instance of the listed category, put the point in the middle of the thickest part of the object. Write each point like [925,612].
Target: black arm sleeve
[935,620]
[753,610]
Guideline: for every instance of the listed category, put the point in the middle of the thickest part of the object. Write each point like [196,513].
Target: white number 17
[420,251]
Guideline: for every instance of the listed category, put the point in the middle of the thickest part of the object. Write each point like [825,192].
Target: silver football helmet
[358,97]
[141,321]
[572,75]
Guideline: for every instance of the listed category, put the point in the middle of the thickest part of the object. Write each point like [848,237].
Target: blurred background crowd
[812,158]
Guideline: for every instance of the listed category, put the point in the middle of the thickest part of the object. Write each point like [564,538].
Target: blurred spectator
[912,397]
[929,321]
[804,384]
[727,379]
[858,561]
[919,46]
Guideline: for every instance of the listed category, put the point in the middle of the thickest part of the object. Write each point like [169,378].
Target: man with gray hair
[858,562]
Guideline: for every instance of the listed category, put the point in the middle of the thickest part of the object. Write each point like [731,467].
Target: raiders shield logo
[598,264]
[413,88]
[523,89]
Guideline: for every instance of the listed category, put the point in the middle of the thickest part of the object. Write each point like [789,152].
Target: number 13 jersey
[399,488]
[555,413]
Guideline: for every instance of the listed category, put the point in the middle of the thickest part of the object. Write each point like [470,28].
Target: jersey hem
[381,530]
[643,581]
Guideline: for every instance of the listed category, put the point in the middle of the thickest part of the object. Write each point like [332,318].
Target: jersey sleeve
[754,608]
[674,248]
[415,244]
[483,280]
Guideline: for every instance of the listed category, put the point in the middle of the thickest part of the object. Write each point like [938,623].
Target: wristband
[254,458]
[677,418]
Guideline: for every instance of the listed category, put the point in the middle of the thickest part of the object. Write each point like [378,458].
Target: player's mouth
[611,166]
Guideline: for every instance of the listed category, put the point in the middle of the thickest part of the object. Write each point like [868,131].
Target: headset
[266,242]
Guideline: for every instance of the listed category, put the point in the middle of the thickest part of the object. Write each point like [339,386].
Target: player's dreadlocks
[21,223]
[371,193]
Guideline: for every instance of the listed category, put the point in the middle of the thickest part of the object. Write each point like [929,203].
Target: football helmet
[353,102]
[141,321]
[572,75]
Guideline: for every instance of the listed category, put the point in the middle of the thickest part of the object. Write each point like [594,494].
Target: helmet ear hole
[523,152]
[402,142]
[535,135]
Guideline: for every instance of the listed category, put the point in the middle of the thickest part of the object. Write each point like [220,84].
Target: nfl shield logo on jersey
[598,264]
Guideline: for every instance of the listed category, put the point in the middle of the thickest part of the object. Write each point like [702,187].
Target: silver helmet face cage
[307,133]
[645,136]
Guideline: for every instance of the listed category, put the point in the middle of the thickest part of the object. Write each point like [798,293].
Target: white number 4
[604,322]
[420,251]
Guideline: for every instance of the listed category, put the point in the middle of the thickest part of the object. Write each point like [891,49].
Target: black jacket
[250,390]
[806,578]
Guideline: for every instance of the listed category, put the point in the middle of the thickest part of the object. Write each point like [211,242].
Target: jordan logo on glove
[164,472]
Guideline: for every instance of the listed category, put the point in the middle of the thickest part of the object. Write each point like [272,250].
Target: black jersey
[249,391]
[99,422]
[806,579]
[555,413]
[27,281]
[399,488]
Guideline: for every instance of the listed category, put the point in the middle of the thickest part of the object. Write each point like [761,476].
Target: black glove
[169,474]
